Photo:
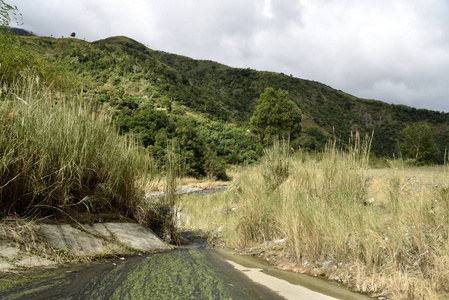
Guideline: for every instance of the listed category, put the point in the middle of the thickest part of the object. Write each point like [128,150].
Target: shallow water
[179,274]
[192,272]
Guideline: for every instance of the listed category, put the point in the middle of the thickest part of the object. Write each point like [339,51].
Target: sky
[396,51]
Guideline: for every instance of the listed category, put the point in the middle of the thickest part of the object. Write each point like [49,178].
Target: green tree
[191,148]
[276,116]
[145,120]
[419,143]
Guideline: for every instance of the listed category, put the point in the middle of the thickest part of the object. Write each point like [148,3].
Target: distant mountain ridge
[21,31]
[122,68]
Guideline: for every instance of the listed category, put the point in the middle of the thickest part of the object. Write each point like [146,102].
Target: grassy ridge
[119,69]
[60,154]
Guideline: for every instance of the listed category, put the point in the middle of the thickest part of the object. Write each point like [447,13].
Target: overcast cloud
[396,51]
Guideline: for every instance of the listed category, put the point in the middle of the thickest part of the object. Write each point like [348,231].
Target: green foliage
[191,148]
[17,61]
[419,143]
[214,167]
[231,143]
[197,143]
[118,69]
[144,120]
[276,116]
[60,154]
[313,139]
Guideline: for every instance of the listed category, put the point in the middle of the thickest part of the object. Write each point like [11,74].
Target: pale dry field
[424,181]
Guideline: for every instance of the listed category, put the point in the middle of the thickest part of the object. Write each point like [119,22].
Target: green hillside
[215,102]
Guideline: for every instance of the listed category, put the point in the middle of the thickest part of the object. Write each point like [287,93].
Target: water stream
[190,272]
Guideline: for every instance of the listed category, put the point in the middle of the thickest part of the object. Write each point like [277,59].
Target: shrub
[214,166]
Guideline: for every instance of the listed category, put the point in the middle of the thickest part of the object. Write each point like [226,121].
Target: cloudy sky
[396,51]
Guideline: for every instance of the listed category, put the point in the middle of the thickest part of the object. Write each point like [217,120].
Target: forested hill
[119,69]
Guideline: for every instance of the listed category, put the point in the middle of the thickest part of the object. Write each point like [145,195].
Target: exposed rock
[83,240]
[369,201]
[7,251]
[328,264]
[80,242]
[4,265]
[135,236]
[27,260]
[12,257]
[99,230]
[187,190]
[53,235]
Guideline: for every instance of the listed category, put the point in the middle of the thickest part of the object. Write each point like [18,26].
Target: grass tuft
[385,231]
[60,154]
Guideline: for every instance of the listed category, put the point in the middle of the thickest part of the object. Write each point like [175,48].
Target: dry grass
[159,184]
[210,214]
[385,231]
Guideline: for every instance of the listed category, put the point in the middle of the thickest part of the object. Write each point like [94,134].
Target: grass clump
[394,245]
[60,154]
[381,231]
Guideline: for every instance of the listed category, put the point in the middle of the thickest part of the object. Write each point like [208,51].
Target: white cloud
[397,51]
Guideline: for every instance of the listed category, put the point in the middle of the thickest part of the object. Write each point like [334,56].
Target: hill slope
[121,69]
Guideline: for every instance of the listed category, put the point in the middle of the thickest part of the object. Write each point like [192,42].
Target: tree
[419,143]
[276,116]
[191,148]
[73,34]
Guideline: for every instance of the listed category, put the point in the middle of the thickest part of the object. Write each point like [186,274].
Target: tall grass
[60,154]
[394,245]
[397,246]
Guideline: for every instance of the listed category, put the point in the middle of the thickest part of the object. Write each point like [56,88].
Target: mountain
[119,69]
[21,31]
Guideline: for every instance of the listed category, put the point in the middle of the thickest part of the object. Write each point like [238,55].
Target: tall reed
[397,246]
[60,153]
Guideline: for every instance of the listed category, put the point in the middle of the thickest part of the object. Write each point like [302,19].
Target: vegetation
[276,116]
[126,75]
[60,155]
[419,143]
[383,232]
[72,112]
